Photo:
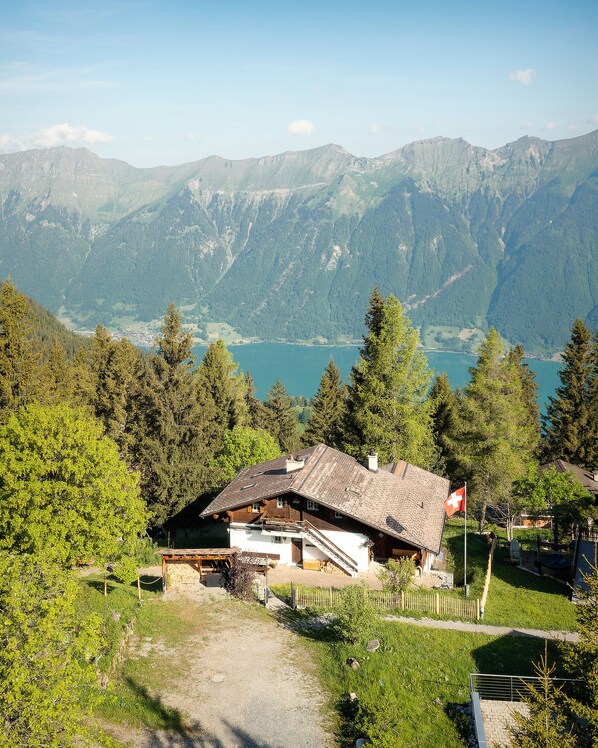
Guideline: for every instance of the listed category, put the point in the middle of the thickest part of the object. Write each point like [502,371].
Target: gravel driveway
[246,682]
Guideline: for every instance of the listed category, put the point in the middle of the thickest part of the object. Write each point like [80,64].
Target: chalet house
[322,507]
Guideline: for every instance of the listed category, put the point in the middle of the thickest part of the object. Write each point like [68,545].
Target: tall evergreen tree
[115,372]
[496,440]
[446,425]
[20,353]
[56,377]
[328,410]
[171,428]
[529,389]
[282,423]
[568,417]
[222,390]
[257,411]
[388,407]
[592,435]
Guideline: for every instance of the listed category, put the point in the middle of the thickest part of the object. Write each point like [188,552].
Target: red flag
[455,502]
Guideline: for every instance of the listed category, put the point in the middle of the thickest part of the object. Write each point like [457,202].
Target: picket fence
[421,602]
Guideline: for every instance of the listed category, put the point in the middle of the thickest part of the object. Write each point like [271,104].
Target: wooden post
[105,585]
[293,597]
[163,575]
[402,599]
[437,604]
[477,612]
[331,597]
[138,586]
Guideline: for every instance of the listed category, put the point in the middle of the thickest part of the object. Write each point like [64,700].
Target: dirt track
[245,681]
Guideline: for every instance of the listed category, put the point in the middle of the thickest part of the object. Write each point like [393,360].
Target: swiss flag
[455,502]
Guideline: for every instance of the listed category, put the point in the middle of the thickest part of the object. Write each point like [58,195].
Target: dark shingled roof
[585,477]
[401,500]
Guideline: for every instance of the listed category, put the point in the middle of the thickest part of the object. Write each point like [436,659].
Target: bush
[239,582]
[355,614]
[397,575]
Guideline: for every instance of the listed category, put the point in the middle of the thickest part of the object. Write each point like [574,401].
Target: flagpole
[465,546]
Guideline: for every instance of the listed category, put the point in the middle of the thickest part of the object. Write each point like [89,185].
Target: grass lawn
[409,689]
[516,597]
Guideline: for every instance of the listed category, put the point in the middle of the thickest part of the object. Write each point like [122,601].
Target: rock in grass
[373,645]
[353,663]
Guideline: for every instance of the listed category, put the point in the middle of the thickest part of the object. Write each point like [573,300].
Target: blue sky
[168,82]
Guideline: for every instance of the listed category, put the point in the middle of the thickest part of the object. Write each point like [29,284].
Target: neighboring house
[588,478]
[323,506]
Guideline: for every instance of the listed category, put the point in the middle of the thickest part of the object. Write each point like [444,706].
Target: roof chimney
[373,462]
[294,463]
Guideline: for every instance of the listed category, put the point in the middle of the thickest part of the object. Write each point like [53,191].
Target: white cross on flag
[455,502]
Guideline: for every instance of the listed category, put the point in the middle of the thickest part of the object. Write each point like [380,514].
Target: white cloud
[300,127]
[192,137]
[594,119]
[55,135]
[374,128]
[525,77]
[550,126]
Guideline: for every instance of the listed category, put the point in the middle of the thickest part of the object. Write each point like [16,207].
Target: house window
[338,515]
[277,539]
[281,503]
[256,507]
[313,505]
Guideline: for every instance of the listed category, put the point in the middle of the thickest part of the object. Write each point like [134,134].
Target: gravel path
[245,683]
[482,628]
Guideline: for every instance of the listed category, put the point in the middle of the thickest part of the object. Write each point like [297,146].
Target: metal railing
[510,687]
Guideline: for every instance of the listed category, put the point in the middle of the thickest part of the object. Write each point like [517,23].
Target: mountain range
[289,247]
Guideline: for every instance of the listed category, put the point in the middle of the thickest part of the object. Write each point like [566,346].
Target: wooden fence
[421,602]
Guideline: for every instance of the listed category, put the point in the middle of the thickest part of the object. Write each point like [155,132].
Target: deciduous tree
[46,653]
[243,446]
[64,491]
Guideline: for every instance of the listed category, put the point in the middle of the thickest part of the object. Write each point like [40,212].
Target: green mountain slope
[289,246]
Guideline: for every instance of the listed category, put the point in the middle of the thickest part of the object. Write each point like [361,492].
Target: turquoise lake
[300,367]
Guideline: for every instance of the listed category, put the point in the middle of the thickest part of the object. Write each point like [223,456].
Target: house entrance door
[296,551]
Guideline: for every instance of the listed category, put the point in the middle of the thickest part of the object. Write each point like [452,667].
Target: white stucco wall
[353,544]
[253,540]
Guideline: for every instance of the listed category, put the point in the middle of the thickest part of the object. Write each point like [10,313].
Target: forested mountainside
[288,247]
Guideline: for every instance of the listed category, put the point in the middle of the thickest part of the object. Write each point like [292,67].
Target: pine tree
[388,407]
[546,726]
[282,423]
[171,428]
[57,383]
[328,410]
[581,660]
[20,354]
[496,442]
[222,390]
[114,371]
[446,425]
[515,358]
[567,422]
[592,432]
[257,411]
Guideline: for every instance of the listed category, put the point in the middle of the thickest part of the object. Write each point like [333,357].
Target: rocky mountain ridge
[289,246]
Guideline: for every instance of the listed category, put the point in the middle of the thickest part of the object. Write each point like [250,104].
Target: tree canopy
[388,407]
[64,491]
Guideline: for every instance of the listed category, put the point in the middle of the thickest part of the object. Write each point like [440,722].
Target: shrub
[397,575]
[239,582]
[355,614]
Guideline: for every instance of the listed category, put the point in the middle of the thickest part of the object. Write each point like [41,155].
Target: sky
[168,82]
